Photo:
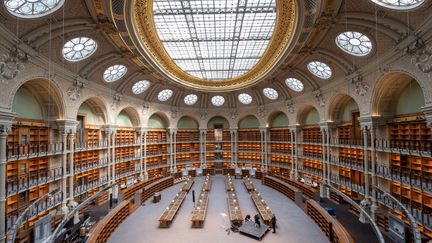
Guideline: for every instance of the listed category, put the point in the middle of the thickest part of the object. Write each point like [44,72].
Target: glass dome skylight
[215,40]
[217,100]
[32,8]
[399,4]
[140,86]
[294,84]
[270,93]
[165,94]
[114,73]
[320,69]
[78,49]
[354,43]
[245,98]
[190,99]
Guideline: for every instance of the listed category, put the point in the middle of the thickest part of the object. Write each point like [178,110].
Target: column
[113,155]
[323,136]
[5,126]
[140,132]
[295,131]
[202,145]
[233,132]
[328,159]
[108,158]
[366,161]
[145,154]
[262,142]
[71,165]
[292,173]
[374,206]
[64,135]
[175,148]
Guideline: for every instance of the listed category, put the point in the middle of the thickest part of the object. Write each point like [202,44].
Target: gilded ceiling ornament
[11,64]
[150,46]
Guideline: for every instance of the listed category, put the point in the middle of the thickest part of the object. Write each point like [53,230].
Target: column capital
[6,118]
[263,129]
[294,128]
[141,130]
[371,122]
[427,111]
[326,125]
[109,128]
[67,125]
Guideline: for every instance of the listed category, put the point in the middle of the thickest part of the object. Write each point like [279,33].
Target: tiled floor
[293,225]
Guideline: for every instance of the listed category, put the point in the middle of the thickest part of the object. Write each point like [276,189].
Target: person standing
[273,222]
[257,221]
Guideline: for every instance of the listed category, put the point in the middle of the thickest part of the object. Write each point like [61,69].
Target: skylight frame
[165,95]
[114,73]
[140,86]
[399,4]
[245,98]
[190,99]
[294,84]
[320,69]
[363,47]
[218,100]
[29,10]
[270,93]
[227,51]
[87,47]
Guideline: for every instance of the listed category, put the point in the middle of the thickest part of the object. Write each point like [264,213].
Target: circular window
[79,49]
[32,8]
[190,99]
[294,84]
[140,86]
[354,43]
[320,69]
[245,98]
[217,100]
[270,93]
[114,73]
[165,94]
[399,4]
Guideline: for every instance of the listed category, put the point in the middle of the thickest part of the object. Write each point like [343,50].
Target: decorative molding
[290,105]
[319,97]
[116,101]
[423,59]
[11,64]
[145,108]
[427,111]
[203,114]
[74,92]
[174,112]
[261,111]
[361,88]
[233,113]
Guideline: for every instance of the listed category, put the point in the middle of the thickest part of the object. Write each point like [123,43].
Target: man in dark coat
[257,221]
[273,222]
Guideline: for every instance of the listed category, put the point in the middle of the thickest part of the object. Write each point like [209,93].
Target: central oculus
[215,39]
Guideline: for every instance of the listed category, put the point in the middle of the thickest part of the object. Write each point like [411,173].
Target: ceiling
[311,28]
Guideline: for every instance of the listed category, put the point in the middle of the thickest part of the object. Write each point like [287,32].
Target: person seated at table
[257,221]
[248,218]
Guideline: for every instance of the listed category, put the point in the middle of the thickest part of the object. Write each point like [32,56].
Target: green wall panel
[26,105]
[281,120]
[156,121]
[312,117]
[218,120]
[187,123]
[410,100]
[249,122]
[123,120]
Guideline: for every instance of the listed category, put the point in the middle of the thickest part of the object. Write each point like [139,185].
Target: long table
[200,210]
[234,210]
[262,207]
[188,184]
[170,212]
[229,183]
[248,184]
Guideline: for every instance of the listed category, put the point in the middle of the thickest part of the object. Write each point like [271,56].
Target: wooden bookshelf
[288,190]
[334,231]
[27,137]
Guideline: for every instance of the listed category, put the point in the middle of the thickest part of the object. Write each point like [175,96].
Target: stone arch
[304,111]
[161,116]
[337,104]
[388,90]
[273,115]
[47,93]
[97,106]
[132,113]
[252,117]
[187,118]
[221,118]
